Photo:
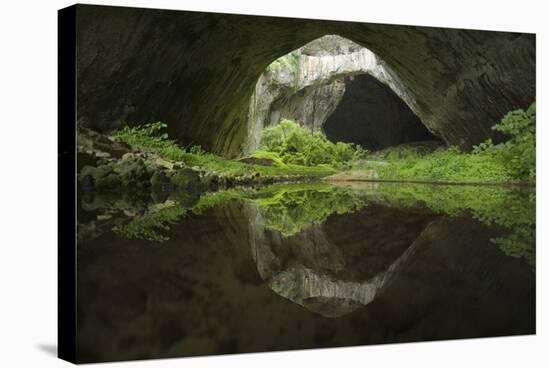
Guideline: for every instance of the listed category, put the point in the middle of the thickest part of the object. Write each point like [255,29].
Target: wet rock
[99,144]
[186,178]
[101,177]
[133,172]
[160,180]
[86,159]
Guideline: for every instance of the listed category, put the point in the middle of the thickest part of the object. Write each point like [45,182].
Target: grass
[150,137]
[508,162]
[450,165]
[227,167]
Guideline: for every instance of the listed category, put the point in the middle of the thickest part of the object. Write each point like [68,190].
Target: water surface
[295,266]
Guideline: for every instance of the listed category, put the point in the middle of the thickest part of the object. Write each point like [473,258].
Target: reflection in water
[302,266]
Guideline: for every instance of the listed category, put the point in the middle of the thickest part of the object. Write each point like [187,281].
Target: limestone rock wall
[307,84]
[196,71]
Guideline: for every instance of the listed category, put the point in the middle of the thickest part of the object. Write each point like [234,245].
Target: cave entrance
[337,86]
[372,115]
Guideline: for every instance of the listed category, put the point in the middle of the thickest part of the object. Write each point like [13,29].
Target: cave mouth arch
[371,115]
[338,87]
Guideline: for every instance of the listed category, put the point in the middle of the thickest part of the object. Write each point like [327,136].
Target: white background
[28,184]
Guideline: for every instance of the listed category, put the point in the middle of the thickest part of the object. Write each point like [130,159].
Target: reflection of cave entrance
[372,115]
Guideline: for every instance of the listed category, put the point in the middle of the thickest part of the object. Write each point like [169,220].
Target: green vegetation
[512,209]
[290,63]
[518,153]
[511,161]
[151,137]
[450,165]
[152,225]
[289,143]
[289,209]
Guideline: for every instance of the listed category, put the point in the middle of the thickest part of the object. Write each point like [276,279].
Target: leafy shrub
[289,209]
[449,165]
[151,136]
[518,153]
[297,145]
[513,160]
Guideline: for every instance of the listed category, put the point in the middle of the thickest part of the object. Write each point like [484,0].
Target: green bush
[290,208]
[297,145]
[513,160]
[519,151]
[449,165]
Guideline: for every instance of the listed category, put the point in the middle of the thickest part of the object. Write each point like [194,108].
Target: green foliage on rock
[449,165]
[518,153]
[152,137]
[511,161]
[296,145]
[289,209]
[152,225]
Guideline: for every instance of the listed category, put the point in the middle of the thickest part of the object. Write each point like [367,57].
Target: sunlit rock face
[197,71]
[332,273]
[308,84]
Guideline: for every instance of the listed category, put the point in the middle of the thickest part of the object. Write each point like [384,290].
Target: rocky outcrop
[106,164]
[310,107]
[308,84]
[197,71]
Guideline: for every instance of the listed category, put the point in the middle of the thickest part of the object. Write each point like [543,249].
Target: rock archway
[196,71]
[337,86]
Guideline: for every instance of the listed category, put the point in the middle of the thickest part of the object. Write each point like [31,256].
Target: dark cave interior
[372,115]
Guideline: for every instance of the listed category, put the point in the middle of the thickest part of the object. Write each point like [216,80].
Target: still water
[295,266]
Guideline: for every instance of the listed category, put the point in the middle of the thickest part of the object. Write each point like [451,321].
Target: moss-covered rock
[133,172]
[186,178]
[100,177]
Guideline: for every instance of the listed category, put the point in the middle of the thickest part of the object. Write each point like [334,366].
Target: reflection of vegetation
[151,225]
[151,136]
[157,221]
[510,208]
[292,144]
[287,208]
[291,208]
[213,199]
[513,160]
